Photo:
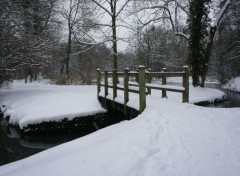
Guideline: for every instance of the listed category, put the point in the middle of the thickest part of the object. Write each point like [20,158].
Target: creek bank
[217,101]
[86,124]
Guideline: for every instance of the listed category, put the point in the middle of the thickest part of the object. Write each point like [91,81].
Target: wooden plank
[168,74]
[106,83]
[126,92]
[186,85]
[167,89]
[114,81]
[149,80]
[164,82]
[120,73]
[142,89]
[98,82]
[134,85]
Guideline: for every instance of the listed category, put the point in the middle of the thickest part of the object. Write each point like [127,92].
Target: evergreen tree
[198,25]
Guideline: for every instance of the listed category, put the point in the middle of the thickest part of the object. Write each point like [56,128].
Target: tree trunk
[196,28]
[207,56]
[68,51]
[115,52]
[195,77]
[148,52]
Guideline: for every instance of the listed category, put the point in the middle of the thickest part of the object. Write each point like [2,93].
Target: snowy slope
[233,85]
[168,138]
[37,102]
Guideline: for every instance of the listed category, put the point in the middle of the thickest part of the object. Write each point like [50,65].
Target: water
[14,146]
[233,99]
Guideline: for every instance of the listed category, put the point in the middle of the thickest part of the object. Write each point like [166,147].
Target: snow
[221,13]
[166,86]
[168,138]
[233,85]
[36,102]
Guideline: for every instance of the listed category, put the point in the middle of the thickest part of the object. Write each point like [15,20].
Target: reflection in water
[233,99]
[14,146]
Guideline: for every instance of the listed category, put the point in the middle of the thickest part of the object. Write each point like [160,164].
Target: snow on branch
[221,13]
[182,35]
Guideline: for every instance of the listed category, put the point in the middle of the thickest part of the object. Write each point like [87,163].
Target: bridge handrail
[144,79]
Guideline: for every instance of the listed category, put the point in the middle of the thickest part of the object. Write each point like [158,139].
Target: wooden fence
[144,84]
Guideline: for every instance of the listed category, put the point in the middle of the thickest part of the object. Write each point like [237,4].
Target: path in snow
[168,138]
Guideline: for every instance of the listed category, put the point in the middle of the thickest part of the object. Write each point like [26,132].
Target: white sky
[122,32]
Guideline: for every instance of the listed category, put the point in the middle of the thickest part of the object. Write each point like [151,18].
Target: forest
[67,40]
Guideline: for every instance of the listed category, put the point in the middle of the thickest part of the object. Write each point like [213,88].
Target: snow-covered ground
[169,138]
[233,85]
[34,103]
[37,102]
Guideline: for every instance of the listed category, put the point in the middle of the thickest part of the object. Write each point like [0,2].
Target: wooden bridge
[142,86]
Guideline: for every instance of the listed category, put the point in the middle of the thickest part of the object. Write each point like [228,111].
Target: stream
[233,99]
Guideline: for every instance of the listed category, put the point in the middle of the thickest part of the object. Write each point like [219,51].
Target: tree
[226,49]
[201,38]
[72,16]
[25,36]
[112,8]
[78,17]
[201,30]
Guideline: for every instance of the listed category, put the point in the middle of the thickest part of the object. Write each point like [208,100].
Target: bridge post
[98,82]
[114,80]
[126,92]
[164,82]
[137,76]
[149,80]
[106,85]
[186,84]
[142,89]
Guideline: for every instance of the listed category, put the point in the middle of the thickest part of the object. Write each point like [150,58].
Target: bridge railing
[143,86]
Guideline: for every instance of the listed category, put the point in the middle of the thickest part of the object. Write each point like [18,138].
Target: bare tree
[113,9]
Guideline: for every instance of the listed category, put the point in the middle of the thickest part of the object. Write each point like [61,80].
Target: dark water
[14,146]
[233,99]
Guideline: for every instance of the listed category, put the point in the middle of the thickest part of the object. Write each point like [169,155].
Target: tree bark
[207,56]
[114,37]
[68,51]
[115,52]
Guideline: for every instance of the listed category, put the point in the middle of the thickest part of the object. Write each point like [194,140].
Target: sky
[126,18]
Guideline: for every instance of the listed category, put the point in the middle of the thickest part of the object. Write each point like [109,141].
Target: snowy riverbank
[35,103]
[233,85]
[168,138]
